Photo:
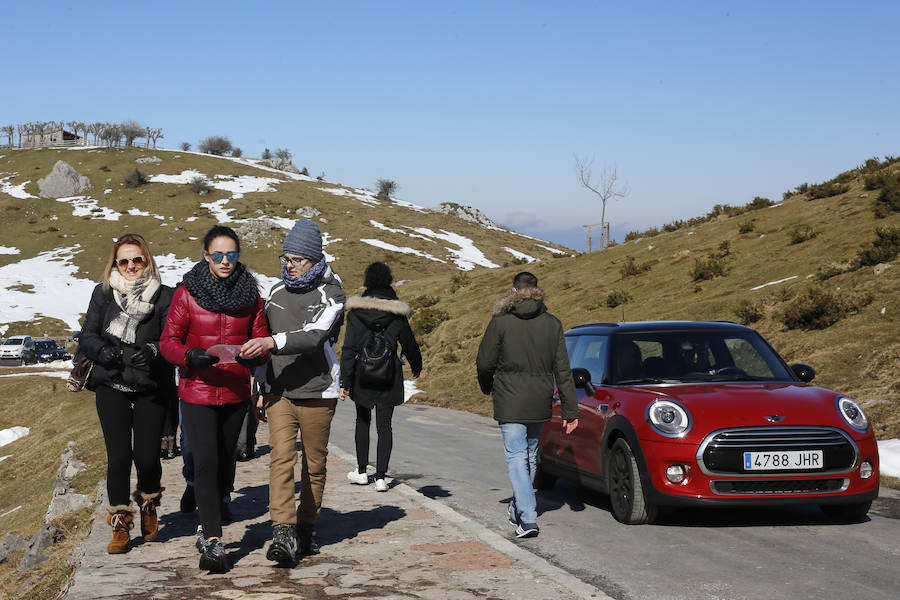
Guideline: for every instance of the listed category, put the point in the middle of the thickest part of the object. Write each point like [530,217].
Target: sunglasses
[218,257]
[136,260]
[286,260]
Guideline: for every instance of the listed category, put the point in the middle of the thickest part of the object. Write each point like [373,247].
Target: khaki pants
[312,418]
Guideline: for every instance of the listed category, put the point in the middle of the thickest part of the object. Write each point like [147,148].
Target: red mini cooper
[687,413]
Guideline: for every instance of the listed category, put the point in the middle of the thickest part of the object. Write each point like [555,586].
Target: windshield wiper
[736,377]
[640,380]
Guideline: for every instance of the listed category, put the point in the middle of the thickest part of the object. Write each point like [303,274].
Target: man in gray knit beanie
[304,239]
[299,387]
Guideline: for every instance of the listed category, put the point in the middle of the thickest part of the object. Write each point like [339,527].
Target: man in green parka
[520,358]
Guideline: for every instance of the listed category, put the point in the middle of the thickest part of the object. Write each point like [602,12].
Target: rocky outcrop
[467,213]
[282,164]
[62,182]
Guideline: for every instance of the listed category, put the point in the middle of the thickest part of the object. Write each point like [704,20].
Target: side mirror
[804,373]
[582,379]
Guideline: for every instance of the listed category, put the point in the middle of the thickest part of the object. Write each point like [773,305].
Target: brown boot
[147,504]
[119,519]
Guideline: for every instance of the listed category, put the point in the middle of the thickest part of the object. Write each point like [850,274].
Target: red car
[688,413]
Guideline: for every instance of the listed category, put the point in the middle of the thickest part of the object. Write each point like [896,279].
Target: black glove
[197,357]
[143,358]
[110,356]
[249,363]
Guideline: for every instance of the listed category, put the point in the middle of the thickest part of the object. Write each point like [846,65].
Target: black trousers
[383,416]
[213,432]
[132,424]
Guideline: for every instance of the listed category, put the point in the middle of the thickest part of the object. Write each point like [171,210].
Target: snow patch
[16,191]
[9,250]
[553,250]
[773,283]
[85,206]
[400,249]
[889,457]
[8,436]
[520,255]
[467,255]
[410,389]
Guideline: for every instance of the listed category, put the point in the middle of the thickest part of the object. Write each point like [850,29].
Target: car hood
[717,405]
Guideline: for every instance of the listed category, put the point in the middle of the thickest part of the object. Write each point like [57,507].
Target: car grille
[780,486]
[722,452]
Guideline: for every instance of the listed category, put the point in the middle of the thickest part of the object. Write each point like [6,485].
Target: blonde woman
[131,380]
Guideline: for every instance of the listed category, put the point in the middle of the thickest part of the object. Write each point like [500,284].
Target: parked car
[19,348]
[705,414]
[48,351]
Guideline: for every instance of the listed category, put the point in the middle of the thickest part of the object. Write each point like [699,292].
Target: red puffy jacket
[191,326]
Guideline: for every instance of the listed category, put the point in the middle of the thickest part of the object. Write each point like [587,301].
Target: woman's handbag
[80,372]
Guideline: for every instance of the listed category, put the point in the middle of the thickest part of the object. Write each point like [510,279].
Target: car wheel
[848,513]
[542,479]
[626,492]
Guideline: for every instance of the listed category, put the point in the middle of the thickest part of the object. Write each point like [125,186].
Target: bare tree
[606,188]
[185,146]
[386,187]
[131,130]
[147,134]
[284,154]
[9,131]
[215,144]
[21,129]
[156,134]
[267,154]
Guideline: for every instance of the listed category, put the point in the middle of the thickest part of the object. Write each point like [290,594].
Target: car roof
[607,328]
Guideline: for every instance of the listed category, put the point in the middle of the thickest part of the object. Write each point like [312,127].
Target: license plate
[775,461]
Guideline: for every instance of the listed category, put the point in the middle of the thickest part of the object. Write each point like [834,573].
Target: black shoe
[188,501]
[214,558]
[306,540]
[281,550]
[225,512]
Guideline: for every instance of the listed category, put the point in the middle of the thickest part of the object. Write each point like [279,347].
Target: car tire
[627,499]
[542,479]
[846,513]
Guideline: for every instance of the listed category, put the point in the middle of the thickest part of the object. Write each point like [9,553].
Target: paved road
[457,458]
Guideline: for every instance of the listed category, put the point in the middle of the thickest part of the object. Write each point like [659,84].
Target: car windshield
[694,356]
[45,345]
[13,342]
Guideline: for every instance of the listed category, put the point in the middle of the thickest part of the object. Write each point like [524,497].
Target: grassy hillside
[800,240]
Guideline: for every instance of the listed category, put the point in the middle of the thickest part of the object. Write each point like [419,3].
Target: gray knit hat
[305,240]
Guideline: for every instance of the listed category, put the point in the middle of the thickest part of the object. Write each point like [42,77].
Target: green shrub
[830,270]
[708,268]
[758,203]
[827,190]
[631,267]
[748,311]
[879,180]
[428,319]
[883,249]
[592,303]
[134,178]
[802,233]
[424,301]
[199,185]
[888,201]
[459,280]
[617,297]
[724,249]
[817,308]
[747,226]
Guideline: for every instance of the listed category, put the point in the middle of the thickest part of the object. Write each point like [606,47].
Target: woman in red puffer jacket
[217,303]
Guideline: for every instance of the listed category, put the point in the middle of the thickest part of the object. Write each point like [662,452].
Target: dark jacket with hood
[94,336]
[523,352]
[378,309]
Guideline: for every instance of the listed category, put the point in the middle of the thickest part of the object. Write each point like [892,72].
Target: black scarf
[238,292]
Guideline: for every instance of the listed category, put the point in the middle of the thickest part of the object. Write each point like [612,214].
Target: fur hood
[396,307]
[508,303]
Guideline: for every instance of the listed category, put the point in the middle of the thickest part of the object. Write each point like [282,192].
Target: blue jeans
[520,444]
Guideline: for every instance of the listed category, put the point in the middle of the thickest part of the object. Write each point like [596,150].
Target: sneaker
[188,500]
[200,542]
[306,540]
[284,541]
[527,530]
[381,485]
[513,515]
[214,558]
[358,478]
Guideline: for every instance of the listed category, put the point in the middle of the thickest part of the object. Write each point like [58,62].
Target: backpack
[375,361]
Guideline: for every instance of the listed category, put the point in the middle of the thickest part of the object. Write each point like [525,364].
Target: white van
[19,348]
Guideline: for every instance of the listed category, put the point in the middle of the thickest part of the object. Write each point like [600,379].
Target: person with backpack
[131,381]
[371,372]
[300,386]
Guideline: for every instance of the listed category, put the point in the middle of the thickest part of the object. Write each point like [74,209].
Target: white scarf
[133,297]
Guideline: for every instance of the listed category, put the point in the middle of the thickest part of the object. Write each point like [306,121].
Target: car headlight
[852,413]
[668,418]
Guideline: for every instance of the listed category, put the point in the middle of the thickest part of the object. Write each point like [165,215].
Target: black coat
[378,309]
[101,311]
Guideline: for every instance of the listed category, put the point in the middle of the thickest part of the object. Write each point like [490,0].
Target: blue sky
[485,103]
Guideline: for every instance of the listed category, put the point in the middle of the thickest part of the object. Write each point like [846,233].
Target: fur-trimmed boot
[147,504]
[120,518]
